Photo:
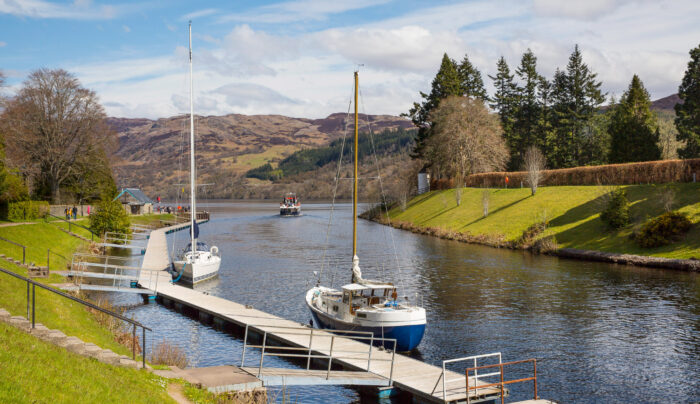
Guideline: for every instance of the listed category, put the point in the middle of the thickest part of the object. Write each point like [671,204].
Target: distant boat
[366,305]
[197,262]
[290,205]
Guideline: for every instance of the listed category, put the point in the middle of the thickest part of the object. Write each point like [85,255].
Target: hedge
[25,210]
[654,172]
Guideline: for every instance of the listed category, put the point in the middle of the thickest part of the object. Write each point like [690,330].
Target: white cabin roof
[356,286]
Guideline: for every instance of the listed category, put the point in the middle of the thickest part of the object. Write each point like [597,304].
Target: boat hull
[290,211]
[199,271]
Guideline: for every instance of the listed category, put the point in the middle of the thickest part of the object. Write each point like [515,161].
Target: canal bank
[562,221]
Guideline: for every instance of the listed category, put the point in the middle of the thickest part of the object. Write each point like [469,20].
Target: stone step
[92,350]
[20,322]
[109,357]
[39,330]
[128,363]
[75,345]
[55,337]
[5,315]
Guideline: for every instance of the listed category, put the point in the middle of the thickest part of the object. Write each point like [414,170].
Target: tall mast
[354,179]
[193,207]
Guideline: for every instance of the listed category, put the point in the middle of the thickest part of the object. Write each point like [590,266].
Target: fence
[31,309]
[501,384]
[71,224]
[474,359]
[23,247]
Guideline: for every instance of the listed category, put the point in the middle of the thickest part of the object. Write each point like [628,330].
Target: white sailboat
[366,305]
[198,262]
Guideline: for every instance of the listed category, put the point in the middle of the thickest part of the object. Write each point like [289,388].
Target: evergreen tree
[445,83]
[688,112]
[544,122]
[470,80]
[633,127]
[576,96]
[527,110]
[505,100]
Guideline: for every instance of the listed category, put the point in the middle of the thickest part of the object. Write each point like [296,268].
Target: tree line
[561,117]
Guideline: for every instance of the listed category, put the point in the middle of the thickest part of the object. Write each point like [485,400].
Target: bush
[617,212]
[109,215]
[663,229]
[166,353]
[26,210]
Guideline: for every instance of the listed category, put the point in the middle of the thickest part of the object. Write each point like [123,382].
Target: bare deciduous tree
[534,162]
[51,124]
[466,139]
[485,199]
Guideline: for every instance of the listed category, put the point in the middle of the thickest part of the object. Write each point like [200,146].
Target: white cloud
[299,10]
[199,13]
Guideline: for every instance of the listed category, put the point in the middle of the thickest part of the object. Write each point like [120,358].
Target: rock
[20,322]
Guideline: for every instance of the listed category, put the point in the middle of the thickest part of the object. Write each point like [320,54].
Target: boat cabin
[290,199]
[368,295]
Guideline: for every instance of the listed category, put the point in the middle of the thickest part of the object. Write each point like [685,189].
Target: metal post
[28,299]
[443,382]
[245,341]
[143,349]
[502,398]
[24,255]
[466,373]
[535,364]
[476,375]
[391,372]
[48,260]
[133,343]
[308,360]
[262,354]
[330,358]
[369,356]
[34,310]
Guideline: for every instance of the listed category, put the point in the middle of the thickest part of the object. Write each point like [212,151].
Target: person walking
[65,212]
[75,213]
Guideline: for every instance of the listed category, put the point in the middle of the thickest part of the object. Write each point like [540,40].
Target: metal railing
[307,353]
[501,384]
[473,358]
[24,249]
[48,258]
[31,309]
[70,224]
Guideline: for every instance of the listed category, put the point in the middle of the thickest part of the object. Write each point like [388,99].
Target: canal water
[600,332]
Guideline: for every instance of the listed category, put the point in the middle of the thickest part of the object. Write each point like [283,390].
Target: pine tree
[505,100]
[577,97]
[445,83]
[470,80]
[688,112]
[527,110]
[633,127]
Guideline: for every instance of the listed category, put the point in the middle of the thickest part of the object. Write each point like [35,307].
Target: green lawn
[33,371]
[572,212]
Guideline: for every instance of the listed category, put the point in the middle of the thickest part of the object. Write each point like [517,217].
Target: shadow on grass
[497,210]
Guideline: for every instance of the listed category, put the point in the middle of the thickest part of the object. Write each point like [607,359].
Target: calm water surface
[600,333]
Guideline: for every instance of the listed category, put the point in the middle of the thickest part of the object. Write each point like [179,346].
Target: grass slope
[33,371]
[572,211]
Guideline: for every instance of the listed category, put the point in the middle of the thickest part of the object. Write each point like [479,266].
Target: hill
[153,154]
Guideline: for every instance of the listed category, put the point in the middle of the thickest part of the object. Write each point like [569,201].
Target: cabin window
[346,298]
[335,308]
[362,315]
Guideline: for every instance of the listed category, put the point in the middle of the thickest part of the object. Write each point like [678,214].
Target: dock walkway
[419,378]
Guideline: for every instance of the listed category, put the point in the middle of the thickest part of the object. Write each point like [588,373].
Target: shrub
[617,212]
[663,229]
[545,245]
[109,215]
[530,234]
[26,210]
[166,353]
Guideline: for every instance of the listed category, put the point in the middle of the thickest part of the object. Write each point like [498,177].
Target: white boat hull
[204,266]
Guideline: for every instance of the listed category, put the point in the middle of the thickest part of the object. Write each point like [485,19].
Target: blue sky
[296,57]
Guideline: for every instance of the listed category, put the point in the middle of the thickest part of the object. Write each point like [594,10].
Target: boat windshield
[201,246]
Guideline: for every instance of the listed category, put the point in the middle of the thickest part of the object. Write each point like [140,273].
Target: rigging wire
[381,187]
[335,191]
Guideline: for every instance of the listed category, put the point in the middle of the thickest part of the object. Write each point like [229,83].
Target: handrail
[92,233]
[307,354]
[48,257]
[476,375]
[24,248]
[84,303]
[502,383]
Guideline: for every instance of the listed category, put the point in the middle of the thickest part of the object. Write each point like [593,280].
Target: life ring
[214,250]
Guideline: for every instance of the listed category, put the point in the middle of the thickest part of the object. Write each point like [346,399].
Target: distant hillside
[153,154]
[666,103]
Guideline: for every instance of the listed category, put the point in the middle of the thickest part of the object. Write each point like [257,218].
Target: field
[571,211]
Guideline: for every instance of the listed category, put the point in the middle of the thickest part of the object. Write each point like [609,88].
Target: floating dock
[422,380]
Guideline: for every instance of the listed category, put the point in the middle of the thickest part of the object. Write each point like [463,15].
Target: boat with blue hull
[363,304]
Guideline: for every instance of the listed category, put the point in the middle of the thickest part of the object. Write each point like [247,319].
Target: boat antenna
[193,207]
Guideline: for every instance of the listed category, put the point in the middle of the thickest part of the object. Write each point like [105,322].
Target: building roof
[136,193]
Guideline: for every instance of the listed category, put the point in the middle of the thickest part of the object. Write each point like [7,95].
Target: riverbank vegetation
[571,214]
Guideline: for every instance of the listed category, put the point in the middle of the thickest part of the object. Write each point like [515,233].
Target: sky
[296,58]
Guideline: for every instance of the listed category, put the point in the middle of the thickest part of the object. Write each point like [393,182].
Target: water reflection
[602,333]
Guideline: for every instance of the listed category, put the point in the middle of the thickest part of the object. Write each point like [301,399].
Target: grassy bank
[33,371]
[572,212]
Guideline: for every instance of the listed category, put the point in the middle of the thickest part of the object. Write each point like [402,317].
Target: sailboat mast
[193,208]
[354,178]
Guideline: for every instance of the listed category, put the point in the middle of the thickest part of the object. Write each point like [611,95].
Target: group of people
[169,209]
[71,212]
